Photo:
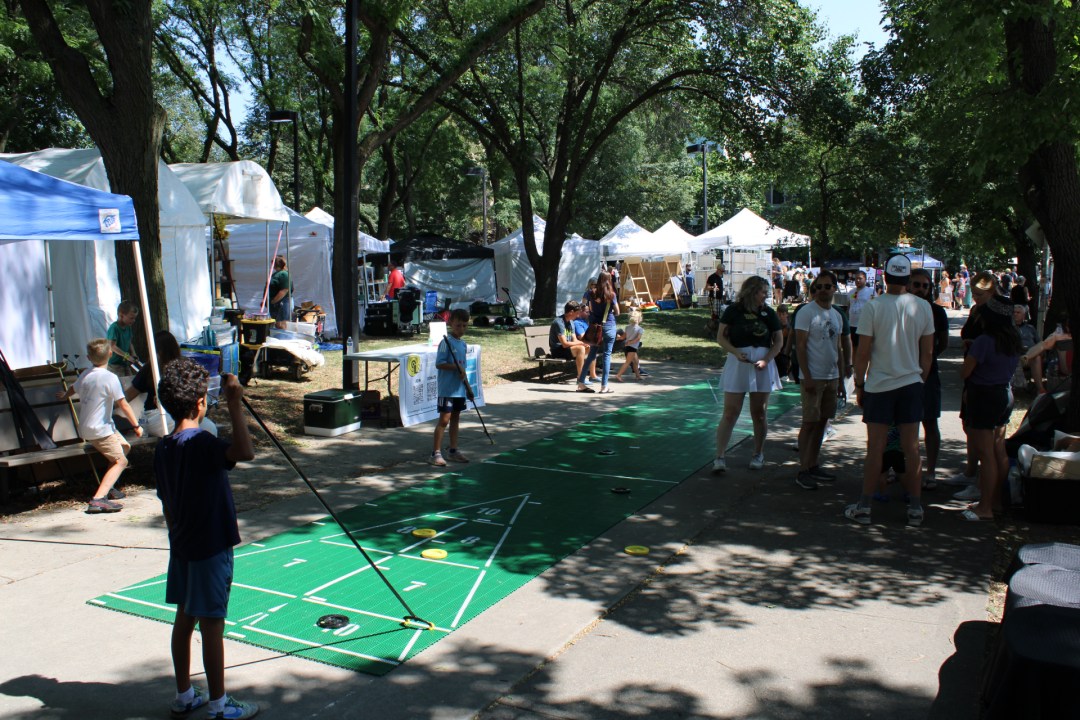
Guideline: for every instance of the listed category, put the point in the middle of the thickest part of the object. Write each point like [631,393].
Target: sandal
[971,516]
[606,391]
[586,389]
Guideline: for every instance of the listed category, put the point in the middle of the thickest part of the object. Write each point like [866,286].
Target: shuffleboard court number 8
[471,540]
[347,630]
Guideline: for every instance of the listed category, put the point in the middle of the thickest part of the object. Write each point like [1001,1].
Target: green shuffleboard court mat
[501,523]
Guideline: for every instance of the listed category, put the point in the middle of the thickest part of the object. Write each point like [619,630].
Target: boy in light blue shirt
[453,387]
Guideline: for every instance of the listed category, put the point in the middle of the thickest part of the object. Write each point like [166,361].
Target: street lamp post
[703,148]
[482,174]
[291,116]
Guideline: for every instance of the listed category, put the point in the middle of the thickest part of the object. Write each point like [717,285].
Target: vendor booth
[85,288]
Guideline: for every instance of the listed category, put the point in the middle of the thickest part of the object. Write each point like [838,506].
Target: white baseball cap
[898,266]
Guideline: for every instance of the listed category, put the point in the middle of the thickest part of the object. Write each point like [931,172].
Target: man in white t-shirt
[857,300]
[896,347]
[818,331]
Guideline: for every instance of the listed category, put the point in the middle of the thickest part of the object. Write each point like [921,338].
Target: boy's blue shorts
[450,405]
[201,586]
[901,406]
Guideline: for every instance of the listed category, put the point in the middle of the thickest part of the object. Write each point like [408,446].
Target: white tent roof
[671,232]
[309,263]
[368,244]
[579,262]
[85,286]
[241,191]
[628,239]
[748,230]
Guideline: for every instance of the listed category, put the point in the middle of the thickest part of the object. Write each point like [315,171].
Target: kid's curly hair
[183,384]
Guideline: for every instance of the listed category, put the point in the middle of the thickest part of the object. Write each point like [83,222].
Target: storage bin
[255,331]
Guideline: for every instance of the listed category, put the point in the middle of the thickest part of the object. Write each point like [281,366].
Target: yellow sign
[412,365]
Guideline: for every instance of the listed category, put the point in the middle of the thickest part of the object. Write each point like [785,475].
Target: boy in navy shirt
[191,469]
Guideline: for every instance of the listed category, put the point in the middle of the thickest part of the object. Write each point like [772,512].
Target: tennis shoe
[180,709]
[958,478]
[969,493]
[235,710]
[103,505]
[437,460]
[757,462]
[719,465]
[857,513]
[457,457]
[116,493]
[806,480]
[819,473]
[914,517]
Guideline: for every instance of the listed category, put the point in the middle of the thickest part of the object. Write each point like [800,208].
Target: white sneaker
[719,465]
[958,478]
[757,462]
[970,493]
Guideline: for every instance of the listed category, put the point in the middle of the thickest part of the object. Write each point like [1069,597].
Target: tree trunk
[1050,179]
[124,121]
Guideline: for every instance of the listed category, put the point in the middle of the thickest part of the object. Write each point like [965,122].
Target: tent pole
[151,345]
[52,306]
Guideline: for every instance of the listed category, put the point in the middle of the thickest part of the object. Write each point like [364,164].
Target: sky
[857,17]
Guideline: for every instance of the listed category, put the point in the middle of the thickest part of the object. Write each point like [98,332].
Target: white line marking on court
[372,504]
[343,577]
[278,607]
[487,522]
[295,561]
[241,636]
[257,545]
[143,602]
[273,549]
[348,609]
[468,599]
[144,585]
[265,590]
[320,523]
[548,468]
[408,646]
[99,602]
[415,584]
[321,646]
[254,618]
[520,507]
[350,545]
[440,562]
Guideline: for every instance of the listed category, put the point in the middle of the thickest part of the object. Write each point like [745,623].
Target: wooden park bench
[40,386]
[536,347]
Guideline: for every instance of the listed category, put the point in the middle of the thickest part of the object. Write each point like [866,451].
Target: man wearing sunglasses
[922,285]
[857,300]
[818,335]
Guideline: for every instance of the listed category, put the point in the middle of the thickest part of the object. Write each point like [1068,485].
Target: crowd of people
[886,345]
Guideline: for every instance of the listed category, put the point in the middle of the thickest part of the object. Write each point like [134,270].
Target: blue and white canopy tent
[37,209]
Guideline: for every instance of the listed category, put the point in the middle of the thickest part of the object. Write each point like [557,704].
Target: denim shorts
[201,586]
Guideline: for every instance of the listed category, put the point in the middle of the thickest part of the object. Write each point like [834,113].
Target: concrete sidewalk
[758,600]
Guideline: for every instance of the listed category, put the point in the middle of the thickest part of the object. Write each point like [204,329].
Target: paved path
[758,601]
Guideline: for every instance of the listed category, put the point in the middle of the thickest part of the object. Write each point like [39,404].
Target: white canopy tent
[578,263]
[237,192]
[309,264]
[671,233]
[84,280]
[368,243]
[748,230]
[628,239]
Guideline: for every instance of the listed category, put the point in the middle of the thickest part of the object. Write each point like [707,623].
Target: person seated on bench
[581,326]
[143,382]
[1032,358]
[98,391]
[562,343]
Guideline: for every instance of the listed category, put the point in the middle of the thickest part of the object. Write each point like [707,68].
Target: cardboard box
[329,413]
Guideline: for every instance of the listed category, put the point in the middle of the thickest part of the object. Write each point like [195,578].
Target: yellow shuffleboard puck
[636,550]
[433,554]
[425,532]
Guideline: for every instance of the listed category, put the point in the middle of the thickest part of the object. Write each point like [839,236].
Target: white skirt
[743,377]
